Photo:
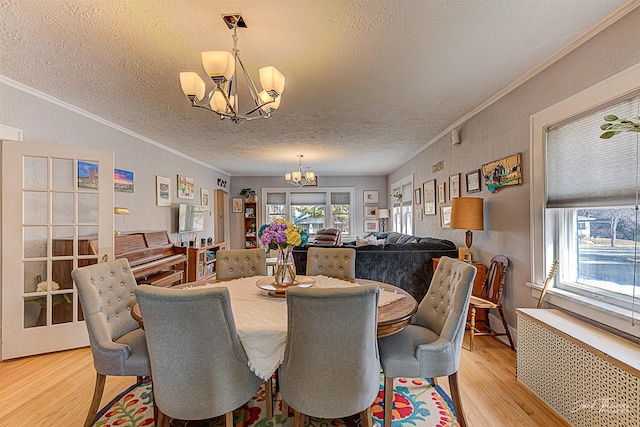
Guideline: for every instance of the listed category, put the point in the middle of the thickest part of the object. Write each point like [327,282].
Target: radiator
[589,377]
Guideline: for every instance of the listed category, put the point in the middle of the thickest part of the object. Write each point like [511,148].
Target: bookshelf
[251,227]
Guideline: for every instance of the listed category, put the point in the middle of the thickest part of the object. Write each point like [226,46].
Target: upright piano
[153,258]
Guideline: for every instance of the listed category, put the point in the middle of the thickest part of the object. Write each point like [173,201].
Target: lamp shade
[467,213]
[272,80]
[192,85]
[219,64]
[383,213]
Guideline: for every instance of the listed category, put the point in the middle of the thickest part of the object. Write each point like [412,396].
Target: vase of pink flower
[283,236]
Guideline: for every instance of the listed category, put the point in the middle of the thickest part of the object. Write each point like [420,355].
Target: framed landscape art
[503,172]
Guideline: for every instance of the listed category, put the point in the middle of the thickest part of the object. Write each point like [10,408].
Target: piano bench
[163,279]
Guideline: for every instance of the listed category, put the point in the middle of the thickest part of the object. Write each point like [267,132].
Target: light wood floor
[55,389]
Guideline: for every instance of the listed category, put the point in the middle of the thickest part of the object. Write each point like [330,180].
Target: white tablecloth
[261,320]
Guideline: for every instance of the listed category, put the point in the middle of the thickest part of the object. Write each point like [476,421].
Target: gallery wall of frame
[437,196]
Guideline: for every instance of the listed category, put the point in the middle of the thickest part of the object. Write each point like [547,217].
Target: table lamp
[382,215]
[467,214]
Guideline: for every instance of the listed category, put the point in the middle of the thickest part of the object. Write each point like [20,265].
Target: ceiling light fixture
[222,67]
[300,178]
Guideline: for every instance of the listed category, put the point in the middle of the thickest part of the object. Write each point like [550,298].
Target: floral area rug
[416,404]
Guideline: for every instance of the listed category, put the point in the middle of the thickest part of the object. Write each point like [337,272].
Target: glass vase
[284,271]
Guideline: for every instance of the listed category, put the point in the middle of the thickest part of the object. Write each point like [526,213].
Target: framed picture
[419,214]
[236,203]
[442,192]
[445,216]
[418,196]
[204,198]
[186,187]
[370,196]
[473,181]
[503,172]
[87,175]
[370,225]
[454,186]
[370,211]
[429,192]
[122,181]
[163,191]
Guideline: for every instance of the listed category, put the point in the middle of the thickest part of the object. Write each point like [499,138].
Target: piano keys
[154,259]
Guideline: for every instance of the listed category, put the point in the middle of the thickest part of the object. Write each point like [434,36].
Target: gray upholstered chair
[332,262]
[331,341]
[431,345]
[118,345]
[199,367]
[232,264]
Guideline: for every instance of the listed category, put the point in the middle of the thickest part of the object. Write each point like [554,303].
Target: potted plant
[249,193]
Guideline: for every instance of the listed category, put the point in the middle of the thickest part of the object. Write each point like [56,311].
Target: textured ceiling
[369,82]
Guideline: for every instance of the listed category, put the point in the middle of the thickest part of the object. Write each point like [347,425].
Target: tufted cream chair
[118,345]
[232,264]
[332,262]
[430,346]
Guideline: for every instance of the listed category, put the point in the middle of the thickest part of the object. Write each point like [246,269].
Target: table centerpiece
[283,236]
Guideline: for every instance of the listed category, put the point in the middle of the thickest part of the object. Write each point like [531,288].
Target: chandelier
[300,178]
[222,68]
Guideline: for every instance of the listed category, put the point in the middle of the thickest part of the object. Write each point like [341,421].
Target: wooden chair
[490,298]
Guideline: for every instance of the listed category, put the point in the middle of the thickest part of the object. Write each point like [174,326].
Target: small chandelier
[300,178]
[222,67]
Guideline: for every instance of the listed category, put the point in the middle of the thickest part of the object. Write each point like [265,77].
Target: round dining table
[261,319]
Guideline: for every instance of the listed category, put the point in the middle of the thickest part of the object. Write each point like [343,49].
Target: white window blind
[276,198]
[308,198]
[340,198]
[575,150]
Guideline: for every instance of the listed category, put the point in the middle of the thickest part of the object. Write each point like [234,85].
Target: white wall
[43,120]
[503,129]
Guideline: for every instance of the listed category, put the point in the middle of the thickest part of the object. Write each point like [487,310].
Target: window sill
[596,310]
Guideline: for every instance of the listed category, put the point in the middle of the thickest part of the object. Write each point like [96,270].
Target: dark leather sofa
[403,260]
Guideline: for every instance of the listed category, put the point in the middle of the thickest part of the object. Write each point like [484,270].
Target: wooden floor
[55,389]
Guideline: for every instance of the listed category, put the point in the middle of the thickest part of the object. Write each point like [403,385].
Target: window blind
[574,150]
[316,198]
[340,198]
[276,198]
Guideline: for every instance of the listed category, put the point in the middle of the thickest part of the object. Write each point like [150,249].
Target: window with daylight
[585,203]
[311,209]
[403,206]
[591,198]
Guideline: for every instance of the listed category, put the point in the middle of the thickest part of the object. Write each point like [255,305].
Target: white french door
[57,215]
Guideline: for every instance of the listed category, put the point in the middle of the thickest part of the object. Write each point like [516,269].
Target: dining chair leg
[139,380]
[455,397]
[434,381]
[366,418]
[95,401]
[162,420]
[268,397]
[472,329]
[298,419]
[388,400]
[228,419]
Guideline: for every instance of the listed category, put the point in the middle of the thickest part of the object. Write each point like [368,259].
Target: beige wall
[503,129]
